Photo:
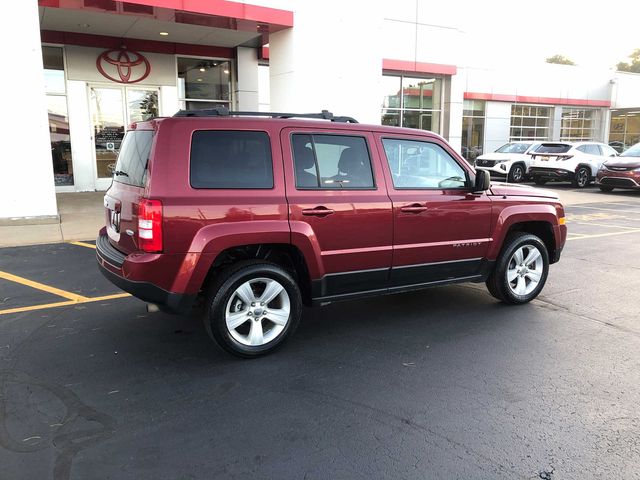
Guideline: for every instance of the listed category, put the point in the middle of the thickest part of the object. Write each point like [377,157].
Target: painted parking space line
[83,244]
[599,235]
[617,210]
[603,225]
[64,304]
[41,286]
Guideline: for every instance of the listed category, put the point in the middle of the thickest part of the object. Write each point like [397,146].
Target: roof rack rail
[225,112]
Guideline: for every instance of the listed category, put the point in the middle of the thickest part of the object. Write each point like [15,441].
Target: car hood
[511,190]
[501,156]
[629,162]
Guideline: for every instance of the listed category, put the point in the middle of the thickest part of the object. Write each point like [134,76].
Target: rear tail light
[150,225]
[565,157]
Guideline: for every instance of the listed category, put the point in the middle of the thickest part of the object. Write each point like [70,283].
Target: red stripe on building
[418,67]
[224,8]
[497,97]
[153,46]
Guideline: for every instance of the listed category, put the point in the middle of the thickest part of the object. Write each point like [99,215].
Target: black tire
[539,180]
[224,287]
[517,173]
[604,188]
[582,177]
[498,284]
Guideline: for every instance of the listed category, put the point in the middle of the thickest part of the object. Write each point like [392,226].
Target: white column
[556,124]
[497,125]
[246,91]
[27,190]
[84,170]
[453,110]
[331,59]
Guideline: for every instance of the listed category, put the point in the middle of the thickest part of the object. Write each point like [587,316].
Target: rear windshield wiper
[120,172]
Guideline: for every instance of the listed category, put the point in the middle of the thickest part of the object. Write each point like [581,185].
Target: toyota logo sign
[123,66]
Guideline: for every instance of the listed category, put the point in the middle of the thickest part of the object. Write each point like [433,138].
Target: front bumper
[494,171]
[111,263]
[619,180]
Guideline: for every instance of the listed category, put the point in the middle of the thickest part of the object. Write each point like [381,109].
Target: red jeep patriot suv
[262,215]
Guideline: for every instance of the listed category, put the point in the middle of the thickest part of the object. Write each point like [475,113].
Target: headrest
[302,155]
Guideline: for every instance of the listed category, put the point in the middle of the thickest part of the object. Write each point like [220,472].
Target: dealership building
[89,68]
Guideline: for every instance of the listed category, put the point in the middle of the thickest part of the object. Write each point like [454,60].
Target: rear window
[133,158]
[553,148]
[231,159]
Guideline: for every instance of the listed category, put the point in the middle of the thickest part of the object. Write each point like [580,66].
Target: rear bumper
[111,263]
[551,173]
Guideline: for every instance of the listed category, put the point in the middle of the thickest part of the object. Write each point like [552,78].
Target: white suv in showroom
[511,160]
[575,162]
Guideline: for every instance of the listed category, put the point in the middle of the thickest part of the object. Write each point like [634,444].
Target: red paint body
[369,230]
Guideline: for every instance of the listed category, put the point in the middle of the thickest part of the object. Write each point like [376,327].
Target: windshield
[553,148]
[518,147]
[134,155]
[633,151]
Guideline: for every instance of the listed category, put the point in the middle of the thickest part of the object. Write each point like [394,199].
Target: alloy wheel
[525,270]
[257,312]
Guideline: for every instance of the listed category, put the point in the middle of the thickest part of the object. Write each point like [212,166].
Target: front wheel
[516,174]
[253,307]
[521,269]
[581,178]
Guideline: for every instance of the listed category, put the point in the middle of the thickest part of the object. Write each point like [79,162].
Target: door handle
[414,208]
[318,211]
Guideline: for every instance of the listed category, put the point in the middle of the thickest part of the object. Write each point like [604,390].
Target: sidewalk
[81,216]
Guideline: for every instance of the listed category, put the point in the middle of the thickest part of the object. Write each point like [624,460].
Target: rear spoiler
[557,155]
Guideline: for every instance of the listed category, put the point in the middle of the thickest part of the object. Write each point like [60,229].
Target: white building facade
[95,66]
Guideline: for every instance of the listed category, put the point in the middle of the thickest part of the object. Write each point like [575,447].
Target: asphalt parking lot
[445,383]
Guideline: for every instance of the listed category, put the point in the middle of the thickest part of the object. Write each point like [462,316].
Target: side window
[415,164]
[331,161]
[230,159]
[589,149]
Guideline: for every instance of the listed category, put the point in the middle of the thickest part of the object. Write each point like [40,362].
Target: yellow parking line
[598,235]
[62,304]
[604,225]
[41,286]
[83,244]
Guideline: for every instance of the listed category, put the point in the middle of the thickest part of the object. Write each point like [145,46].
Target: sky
[596,33]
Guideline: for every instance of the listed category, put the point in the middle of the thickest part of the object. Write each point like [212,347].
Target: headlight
[503,166]
[603,167]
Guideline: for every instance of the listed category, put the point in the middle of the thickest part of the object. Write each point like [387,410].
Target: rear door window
[589,149]
[131,167]
[231,159]
[331,161]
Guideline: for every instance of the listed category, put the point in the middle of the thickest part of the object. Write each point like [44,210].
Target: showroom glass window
[412,102]
[579,124]
[624,129]
[203,83]
[53,60]
[473,129]
[530,122]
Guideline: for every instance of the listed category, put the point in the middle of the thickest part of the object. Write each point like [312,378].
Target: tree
[560,60]
[634,65]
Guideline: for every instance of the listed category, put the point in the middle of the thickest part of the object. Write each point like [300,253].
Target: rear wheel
[253,307]
[539,180]
[516,174]
[604,188]
[521,270]
[581,178]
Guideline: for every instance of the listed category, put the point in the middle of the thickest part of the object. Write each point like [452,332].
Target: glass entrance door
[112,109]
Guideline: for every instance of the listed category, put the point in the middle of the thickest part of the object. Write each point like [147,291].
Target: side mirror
[483,181]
